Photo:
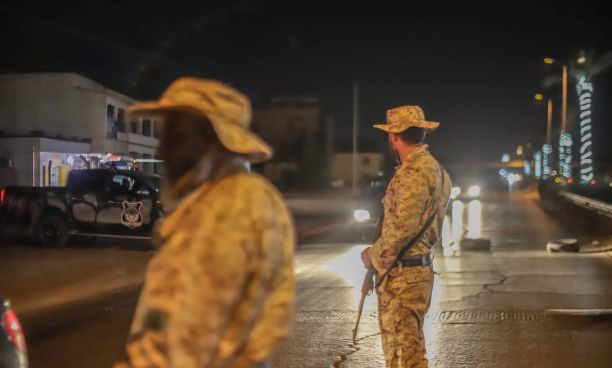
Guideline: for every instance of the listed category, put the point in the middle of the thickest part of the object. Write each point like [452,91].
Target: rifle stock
[366,288]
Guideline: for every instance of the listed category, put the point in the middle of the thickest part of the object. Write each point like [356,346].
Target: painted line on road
[461,316]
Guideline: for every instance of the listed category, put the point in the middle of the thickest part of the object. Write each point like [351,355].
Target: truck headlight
[361,215]
[474,191]
[455,192]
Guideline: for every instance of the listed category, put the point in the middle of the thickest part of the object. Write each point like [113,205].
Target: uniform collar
[417,151]
[214,165]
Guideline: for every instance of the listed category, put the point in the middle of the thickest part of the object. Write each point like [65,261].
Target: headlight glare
[361,215]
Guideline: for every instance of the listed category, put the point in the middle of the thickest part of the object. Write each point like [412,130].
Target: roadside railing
[603,208]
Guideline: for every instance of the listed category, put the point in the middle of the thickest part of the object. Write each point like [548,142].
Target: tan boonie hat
[228,110]
[404,117]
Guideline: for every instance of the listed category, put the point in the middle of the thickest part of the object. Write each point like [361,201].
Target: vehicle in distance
[94,202]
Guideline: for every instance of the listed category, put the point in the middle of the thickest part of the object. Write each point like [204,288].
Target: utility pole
[564,107]
[355,132]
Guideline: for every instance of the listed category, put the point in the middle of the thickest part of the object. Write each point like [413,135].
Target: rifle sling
[414,239]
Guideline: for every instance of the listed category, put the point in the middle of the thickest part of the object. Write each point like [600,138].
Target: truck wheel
[52,231]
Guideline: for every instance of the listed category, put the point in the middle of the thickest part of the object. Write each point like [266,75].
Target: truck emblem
[131,216]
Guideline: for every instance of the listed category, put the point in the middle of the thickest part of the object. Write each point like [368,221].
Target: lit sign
[519,150]
[565,154]
[527,168]
[585,93]
[546,160]
[537,158]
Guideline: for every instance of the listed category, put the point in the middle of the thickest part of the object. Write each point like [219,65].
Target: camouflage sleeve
[402,217]
[202,275]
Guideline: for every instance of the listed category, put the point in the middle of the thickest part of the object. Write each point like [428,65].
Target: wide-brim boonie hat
[228,110]
[404,117]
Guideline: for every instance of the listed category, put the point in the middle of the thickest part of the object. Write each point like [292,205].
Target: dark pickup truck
[95,202]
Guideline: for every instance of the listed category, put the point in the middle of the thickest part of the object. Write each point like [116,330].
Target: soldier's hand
[365,258]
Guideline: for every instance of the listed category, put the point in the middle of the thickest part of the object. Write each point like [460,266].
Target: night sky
[474,69]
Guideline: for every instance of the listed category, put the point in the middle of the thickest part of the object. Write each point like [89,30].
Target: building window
[365,161]
[146,127]
[122,184]
[110,111]
[156,129]
[134,127]
[111,128]
[120,120]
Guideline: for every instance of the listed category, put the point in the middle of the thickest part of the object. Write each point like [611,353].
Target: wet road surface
[488,308]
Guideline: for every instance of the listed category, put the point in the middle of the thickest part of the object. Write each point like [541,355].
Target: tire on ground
[52,231]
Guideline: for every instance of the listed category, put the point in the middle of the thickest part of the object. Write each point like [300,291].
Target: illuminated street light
[538,97]
[582,57]
[549,60]
[519,150]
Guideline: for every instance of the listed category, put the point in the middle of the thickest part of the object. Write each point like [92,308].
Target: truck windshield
[154,182]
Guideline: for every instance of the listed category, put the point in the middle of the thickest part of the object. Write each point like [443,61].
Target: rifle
[368,282]
[366,288]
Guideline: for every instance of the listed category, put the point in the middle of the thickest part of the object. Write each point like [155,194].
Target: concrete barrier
[475,244]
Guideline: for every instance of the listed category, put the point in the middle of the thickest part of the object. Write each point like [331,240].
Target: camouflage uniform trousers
[403,301]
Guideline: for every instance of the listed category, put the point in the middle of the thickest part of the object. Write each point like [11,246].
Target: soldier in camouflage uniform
[220,291]
[418,191]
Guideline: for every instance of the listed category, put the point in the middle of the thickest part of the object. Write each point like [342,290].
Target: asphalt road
[488,308]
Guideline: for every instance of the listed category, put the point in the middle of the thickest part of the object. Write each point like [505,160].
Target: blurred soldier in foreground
[414,208]
[220,291]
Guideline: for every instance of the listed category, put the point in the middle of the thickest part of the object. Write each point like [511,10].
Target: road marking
[453,316]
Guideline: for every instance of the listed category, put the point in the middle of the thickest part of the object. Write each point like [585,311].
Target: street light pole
[564,106]
[355,132]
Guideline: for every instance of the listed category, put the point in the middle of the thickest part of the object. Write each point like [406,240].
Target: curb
[571,245]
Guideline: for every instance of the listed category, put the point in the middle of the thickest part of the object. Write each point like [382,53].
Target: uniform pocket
[417,274]
[400,279]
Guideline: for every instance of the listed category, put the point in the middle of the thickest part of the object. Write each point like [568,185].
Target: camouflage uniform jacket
[220,291]
[412,196]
